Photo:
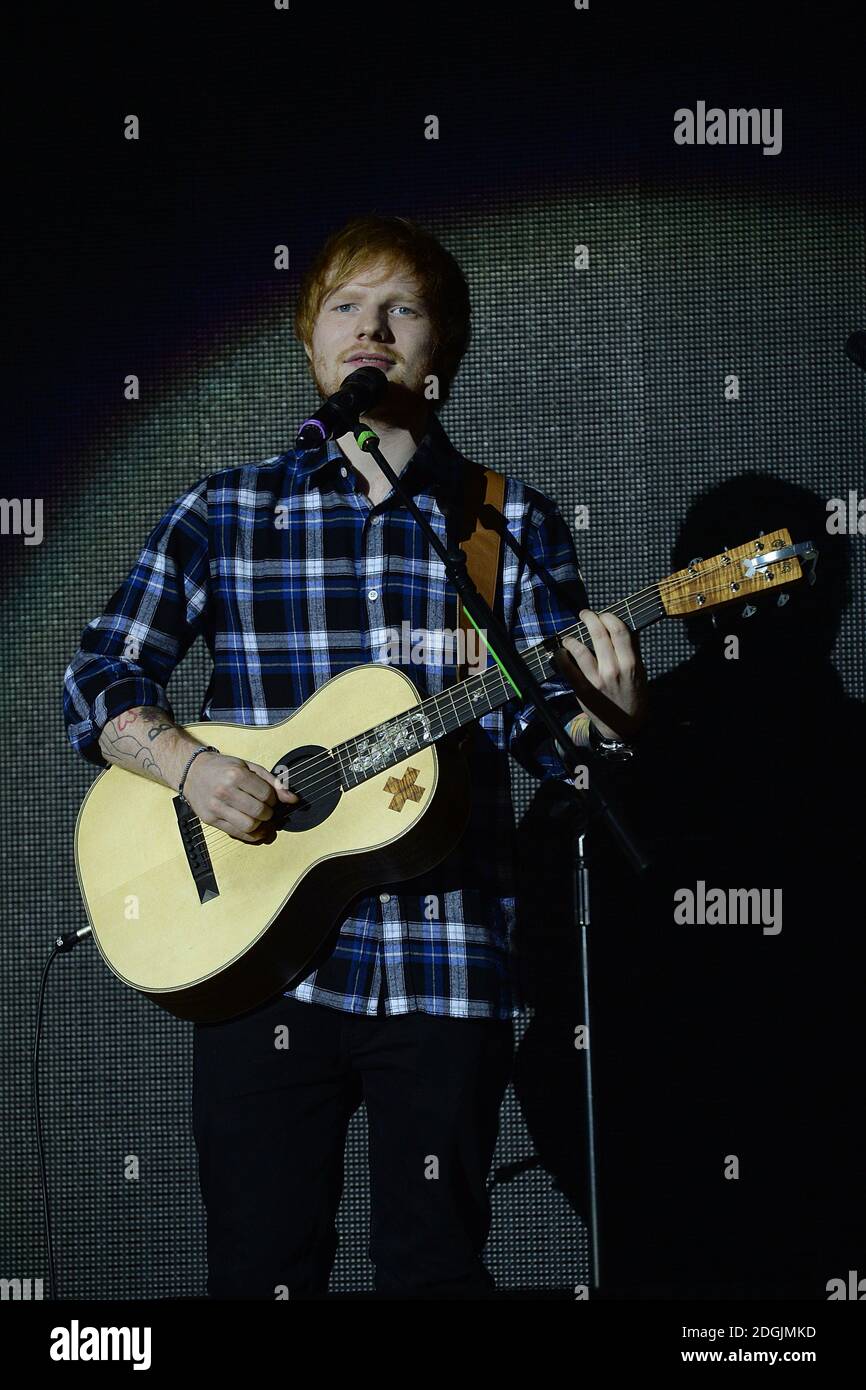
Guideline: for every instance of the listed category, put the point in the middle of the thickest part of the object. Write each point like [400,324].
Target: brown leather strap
[481,546]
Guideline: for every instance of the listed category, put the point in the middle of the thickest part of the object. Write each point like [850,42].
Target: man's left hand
[609,678]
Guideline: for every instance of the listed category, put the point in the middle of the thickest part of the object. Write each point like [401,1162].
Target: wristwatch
[614,748]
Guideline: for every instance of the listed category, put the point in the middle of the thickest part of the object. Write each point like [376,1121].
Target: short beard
[399,408]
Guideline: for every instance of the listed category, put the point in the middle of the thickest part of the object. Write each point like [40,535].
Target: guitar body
[211,953]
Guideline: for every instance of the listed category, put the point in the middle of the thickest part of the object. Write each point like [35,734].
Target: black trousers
[273,1094]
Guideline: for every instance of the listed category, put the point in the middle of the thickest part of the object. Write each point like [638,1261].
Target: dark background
[261,127]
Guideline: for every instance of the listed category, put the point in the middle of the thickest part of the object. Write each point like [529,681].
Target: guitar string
[327,784]
[327,759]
[327,781]
[327,768]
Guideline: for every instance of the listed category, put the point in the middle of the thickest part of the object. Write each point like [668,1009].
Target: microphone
[339,413]
[855,348]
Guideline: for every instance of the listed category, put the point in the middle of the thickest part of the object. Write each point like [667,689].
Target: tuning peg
[782,599]
[749,610]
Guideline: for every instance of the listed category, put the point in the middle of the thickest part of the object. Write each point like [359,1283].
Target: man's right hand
[235,796]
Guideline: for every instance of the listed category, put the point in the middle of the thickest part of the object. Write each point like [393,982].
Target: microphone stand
[601,800]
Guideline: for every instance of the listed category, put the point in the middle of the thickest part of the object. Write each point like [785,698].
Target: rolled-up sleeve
[128,653]
[540,614]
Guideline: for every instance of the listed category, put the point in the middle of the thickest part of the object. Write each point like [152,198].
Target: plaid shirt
[285,606]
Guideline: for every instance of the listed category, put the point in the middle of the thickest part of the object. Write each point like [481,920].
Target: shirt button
[384,897]
[344,473]
[373,593]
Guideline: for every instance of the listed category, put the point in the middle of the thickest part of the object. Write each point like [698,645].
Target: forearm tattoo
[131,737]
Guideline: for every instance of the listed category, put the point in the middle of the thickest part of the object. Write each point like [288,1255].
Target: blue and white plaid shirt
[285,604]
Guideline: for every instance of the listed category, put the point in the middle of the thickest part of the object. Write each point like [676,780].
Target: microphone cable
[65,942]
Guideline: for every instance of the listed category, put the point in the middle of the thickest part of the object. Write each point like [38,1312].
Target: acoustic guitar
[208,927]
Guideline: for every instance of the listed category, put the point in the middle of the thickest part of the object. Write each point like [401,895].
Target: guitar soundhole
[318,786]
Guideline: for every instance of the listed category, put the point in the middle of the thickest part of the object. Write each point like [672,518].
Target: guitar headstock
[766,563]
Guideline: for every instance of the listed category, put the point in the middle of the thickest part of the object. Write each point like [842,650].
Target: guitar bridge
[196,850]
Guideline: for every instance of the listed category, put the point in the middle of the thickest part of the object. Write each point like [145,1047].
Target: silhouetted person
[728,1040]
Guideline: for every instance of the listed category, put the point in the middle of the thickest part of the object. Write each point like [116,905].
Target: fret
[336,752]
[450,693]
[438,713]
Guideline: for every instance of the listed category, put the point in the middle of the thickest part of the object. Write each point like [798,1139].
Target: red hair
[401,244]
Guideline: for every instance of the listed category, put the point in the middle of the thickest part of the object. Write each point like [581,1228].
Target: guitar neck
[390,742]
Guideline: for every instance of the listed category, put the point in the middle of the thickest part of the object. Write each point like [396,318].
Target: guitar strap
[481,545]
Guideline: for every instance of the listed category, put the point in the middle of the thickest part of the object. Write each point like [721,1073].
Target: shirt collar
[435,463]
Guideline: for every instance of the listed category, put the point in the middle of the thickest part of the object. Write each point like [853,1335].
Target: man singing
[294,570]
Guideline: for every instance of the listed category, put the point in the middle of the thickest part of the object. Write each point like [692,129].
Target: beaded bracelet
[209,749]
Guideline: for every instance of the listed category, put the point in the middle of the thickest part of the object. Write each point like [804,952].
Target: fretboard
[397,738]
